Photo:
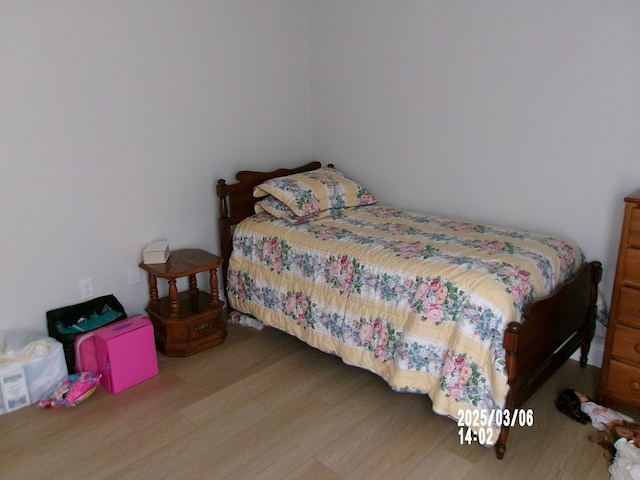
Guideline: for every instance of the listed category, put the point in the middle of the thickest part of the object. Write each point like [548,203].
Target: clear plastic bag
[31,365]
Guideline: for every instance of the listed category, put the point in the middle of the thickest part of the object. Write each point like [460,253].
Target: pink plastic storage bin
[126,353]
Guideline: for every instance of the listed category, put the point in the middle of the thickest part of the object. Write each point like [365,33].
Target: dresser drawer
[629,307]
[626,343]
[623,380]
[634,228]
[631,271]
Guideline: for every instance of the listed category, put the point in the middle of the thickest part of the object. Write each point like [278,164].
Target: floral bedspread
[421,300]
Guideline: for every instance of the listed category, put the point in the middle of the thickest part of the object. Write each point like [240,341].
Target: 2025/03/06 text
[480,425]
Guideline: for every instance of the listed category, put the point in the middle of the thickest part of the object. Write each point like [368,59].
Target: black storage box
[68,316]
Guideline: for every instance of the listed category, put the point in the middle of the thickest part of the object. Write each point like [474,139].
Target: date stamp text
[482,425]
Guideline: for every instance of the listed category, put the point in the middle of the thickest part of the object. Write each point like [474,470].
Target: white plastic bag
[31,365]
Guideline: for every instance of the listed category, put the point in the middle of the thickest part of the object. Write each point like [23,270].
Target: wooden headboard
[237,203]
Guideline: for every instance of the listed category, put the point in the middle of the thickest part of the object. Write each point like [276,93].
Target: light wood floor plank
[312,469]
[402,453]
[258,437]
[300,445]
[208,442]
[442,463]
[350,450]
[110,460]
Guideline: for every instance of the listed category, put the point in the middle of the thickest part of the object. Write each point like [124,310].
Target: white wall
[116,120]
[518,113]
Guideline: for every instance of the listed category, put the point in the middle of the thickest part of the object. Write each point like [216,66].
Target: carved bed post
[596,276]
[224,225]
[224,209]
[511,349]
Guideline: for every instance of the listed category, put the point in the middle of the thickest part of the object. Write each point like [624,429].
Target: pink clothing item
[602,417]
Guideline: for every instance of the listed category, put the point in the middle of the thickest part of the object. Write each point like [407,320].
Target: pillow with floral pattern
[311,192]
[276,208]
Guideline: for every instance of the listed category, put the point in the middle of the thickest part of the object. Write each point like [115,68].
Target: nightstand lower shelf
[201,328]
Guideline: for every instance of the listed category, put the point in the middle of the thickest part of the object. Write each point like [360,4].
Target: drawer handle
[203,327]
[637,347]
[635,386]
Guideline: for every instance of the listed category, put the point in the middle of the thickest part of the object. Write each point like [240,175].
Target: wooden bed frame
[554,328]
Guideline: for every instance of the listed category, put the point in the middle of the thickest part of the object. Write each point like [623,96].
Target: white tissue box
[156,252]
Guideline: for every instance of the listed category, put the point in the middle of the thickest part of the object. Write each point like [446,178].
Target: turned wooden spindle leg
[174,304]
[213,283]
[154,302]
[193,294]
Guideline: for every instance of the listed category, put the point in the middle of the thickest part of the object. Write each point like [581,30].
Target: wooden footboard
[554,328]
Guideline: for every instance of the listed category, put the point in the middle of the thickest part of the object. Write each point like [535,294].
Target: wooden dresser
[620,376]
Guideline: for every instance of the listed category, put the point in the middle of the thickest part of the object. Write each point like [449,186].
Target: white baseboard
[595,353]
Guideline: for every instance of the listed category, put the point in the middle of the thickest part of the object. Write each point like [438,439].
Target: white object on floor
[245,320]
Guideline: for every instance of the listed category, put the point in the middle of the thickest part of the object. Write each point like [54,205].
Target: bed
[477,317]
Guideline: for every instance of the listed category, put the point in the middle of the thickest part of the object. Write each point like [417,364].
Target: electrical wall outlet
[86,288]
[133,272]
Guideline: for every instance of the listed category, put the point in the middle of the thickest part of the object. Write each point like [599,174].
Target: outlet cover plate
[86,288]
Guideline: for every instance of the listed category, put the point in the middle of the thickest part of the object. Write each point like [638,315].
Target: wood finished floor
[265,406]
